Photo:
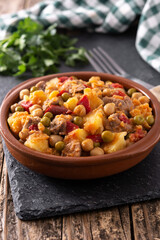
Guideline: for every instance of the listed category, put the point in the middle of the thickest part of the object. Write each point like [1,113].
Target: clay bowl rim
[140,147]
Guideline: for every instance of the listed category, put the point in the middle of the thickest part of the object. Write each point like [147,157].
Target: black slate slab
[36,196]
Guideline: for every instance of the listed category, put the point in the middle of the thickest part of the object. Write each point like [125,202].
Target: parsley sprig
[31,48]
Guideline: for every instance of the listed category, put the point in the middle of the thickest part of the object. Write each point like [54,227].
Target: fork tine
[98,61]
[114,64]
[104,62]
[93,63]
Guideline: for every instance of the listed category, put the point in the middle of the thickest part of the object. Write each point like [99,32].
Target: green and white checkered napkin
[100,16]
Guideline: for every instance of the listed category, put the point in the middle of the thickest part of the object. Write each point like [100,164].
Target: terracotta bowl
[79,167]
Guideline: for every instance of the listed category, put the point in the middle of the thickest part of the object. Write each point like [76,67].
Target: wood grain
[146,220]
[108,224]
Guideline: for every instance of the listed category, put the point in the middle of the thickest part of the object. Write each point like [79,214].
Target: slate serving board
[37,196]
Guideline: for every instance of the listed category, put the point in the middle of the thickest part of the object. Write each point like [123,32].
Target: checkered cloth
[99,16]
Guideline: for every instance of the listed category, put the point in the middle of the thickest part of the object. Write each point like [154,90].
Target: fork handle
[156,92]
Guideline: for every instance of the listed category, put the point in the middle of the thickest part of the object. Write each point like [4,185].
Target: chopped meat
[72,149]
[58,125]
[128,103]
[113,123]
[41,85]
[49,102]
[31,121]
[124,105]
[73,86]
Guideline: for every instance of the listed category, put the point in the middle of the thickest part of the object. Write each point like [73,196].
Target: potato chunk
[38,141]
[38,97]
[94,100]
[16,121]
[79,134]
[52,85]
[117,144]
[93,121]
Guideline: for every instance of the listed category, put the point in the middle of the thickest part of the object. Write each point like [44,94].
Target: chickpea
[137,95]
[41,127]
[23,93]
[80,110]
[106,92]
[109,109]
[35,106]
[107,83]
[53,139]
[24,134]
[13,107]
[97,91]
[87,145]
[37,112]
[96,151]
[144,99]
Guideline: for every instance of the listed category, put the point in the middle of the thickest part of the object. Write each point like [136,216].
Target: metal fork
[102,62]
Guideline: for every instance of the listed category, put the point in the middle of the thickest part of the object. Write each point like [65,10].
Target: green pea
[107,136]
[59,146]
[47,131]
[150,119]
[138,120]
[78,121]
[33,89]
[19,109]
[131,91]
[65,96]
[48,114]
[45,121]
[96,144]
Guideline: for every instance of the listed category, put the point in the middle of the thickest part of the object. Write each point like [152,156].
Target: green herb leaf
[37,50]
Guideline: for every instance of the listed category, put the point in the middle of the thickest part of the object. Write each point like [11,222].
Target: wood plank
[76,227]
[8,6]
[125,217]
[146,220]
[13,228]
[3,204]
[109,225]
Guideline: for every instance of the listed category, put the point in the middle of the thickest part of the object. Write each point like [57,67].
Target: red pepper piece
[69,112]
[70,126]
[96,138]
[56,110]
[139,134]
[85,102]
[119,93]
[33,127]
[116,85]
[124,118]
[63,79]
[86,85]
[61,92]
[26,105]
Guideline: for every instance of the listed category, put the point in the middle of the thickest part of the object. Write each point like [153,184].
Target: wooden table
[136,221]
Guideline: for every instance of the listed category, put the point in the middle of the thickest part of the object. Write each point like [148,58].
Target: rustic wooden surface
[139,221]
